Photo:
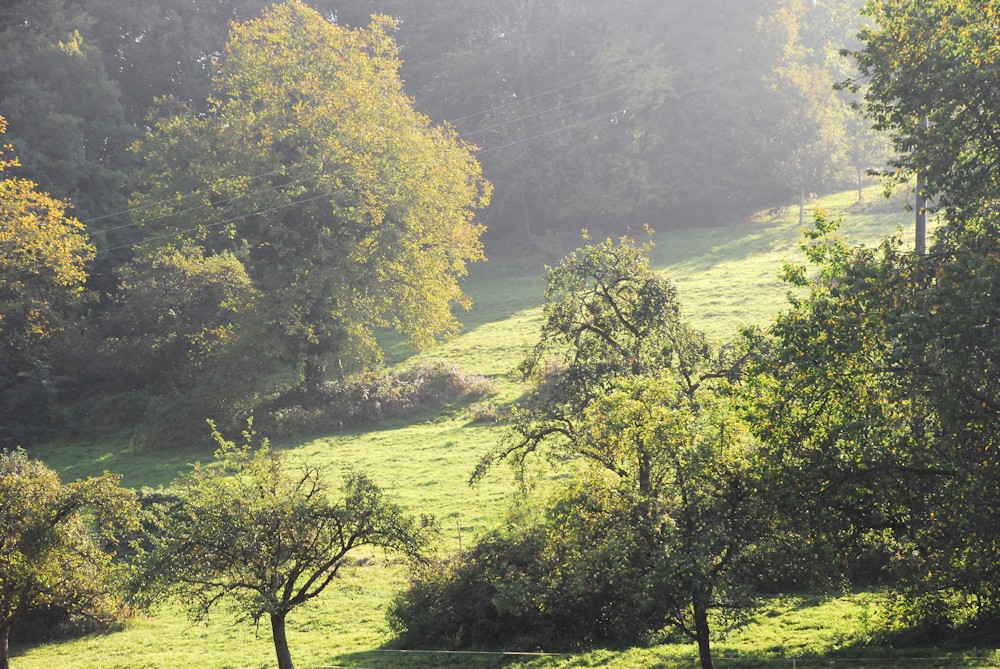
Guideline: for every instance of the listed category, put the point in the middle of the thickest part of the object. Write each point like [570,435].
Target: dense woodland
[220,209]
[601,116]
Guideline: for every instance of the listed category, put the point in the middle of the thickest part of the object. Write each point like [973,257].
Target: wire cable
[154,204]
[266,210]
[461,136]
[608,116]
[562,87]
[210,204]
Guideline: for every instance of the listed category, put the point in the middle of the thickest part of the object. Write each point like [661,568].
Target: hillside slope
[726,276]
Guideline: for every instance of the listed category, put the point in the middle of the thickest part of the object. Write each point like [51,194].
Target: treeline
[604,115]
[208,260]
[299,207]
[854,440]
[586,114]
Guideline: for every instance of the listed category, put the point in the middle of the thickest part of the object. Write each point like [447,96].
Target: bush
[583,574]
[475,599]
[370,398]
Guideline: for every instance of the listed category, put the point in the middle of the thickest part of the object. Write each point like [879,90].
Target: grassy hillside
[726,276]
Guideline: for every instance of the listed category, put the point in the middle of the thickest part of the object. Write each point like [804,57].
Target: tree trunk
[921,227]
[645,477]
[802,204]
[861,184]
[314,369]
[701,635]
[280,641]
[4,648]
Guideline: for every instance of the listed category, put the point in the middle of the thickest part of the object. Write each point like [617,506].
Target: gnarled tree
[638,397]
[266,537]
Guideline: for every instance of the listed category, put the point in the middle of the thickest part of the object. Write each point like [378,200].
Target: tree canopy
[628,389]
[57,542]
[931,76]
[43,267]
[350,211]
[884,437]
[263,536]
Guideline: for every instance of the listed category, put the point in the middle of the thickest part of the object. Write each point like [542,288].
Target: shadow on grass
[48,628]
[138,465]
[458,409]
[966,646]
[386,658]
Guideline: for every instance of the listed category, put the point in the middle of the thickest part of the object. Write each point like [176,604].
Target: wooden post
[921,207]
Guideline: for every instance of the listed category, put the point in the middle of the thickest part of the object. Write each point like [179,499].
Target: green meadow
[726,276]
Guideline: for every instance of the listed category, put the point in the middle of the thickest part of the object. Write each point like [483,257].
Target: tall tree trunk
[861,184]
[802,204]
[921,226]
[280,641]
[701,632]
[314,369]
[4,648]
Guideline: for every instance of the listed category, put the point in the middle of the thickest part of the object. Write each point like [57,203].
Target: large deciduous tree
[55,541]
[265,536]
[350,210]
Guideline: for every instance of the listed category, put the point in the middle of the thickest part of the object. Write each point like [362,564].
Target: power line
[267,210]
[577,124]
[332,193]
[210,204]
[176,233]
[592,78]
[156,204]
[462,136]
[273,187]
[550,109]
[608,116]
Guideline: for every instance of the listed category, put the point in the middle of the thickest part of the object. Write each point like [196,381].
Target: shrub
[371,397]
[477,598]
[582,574]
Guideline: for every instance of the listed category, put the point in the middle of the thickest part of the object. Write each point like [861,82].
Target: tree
[868,150]
[932,74]
[876,404]
[265,537]
[177,330]
[64,108]
[56,542]
[811,132]
[350,210]
[43,258]
[635,394]
[929,72]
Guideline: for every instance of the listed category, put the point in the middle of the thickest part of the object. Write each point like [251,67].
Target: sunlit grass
[726,276]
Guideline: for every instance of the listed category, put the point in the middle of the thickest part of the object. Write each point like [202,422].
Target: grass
[726,276]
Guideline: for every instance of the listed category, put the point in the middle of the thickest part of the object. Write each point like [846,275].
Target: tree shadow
[391,658]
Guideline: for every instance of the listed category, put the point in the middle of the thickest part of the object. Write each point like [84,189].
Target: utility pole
[921,202]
